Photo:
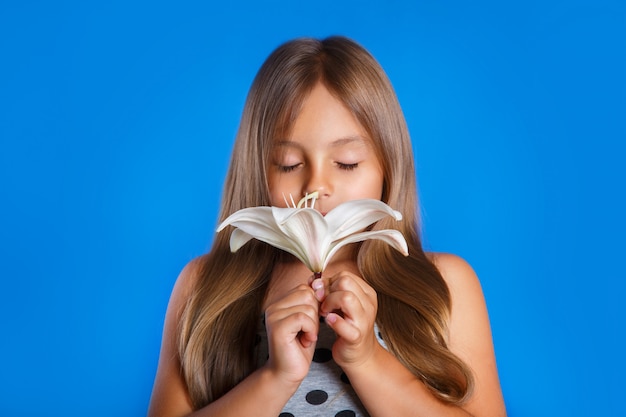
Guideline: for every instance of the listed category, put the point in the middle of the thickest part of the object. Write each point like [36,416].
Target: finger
[343,328]
[308,338]
[322,286]
[346,281]
[301,295]
[295,324]
[346,303]
[309,329]
[319,287]
[293,313]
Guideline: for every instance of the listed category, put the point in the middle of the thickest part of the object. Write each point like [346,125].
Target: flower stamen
[311,237]
[307,197]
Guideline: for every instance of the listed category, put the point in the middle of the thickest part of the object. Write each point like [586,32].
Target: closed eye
[288,168]
[347,167]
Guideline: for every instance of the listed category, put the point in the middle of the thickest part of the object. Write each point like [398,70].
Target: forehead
[352,141]
[322,117]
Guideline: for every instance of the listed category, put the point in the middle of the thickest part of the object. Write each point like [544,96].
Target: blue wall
[116,123]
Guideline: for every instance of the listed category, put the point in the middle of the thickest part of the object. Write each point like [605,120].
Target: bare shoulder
[468,303]
[169,394]
[470,333]
[456,271]
[182,291]
[186,280]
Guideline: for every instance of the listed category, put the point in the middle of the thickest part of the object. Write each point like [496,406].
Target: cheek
[272,187]
[277,200]
[280,189]
[372,186]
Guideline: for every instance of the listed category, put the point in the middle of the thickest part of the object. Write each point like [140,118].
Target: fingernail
[319,293]
[317,284]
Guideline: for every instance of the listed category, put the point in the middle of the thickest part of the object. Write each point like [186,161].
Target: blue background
[116,124]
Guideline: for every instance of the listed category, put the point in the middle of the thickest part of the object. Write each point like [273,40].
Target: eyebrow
[348,139]
[334,144]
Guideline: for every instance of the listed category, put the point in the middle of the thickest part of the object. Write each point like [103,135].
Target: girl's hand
[292,325]
[349,305]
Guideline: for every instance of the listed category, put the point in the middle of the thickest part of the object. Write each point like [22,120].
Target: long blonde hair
[218,325]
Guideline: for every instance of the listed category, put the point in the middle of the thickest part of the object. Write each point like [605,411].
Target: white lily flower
[307,234]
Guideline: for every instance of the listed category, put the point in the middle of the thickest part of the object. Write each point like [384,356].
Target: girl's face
[327,151]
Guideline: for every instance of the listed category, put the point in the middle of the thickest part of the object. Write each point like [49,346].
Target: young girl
[252,333]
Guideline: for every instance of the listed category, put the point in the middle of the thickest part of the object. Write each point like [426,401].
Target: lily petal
[393,237]
[274,237]
[355,215]
[308,229]
[310,236]
[260,215]
[257,222]
[238,238]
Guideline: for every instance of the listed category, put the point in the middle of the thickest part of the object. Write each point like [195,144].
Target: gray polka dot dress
[326,390]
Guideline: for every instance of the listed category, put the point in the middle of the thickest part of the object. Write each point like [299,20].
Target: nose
[318,180]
